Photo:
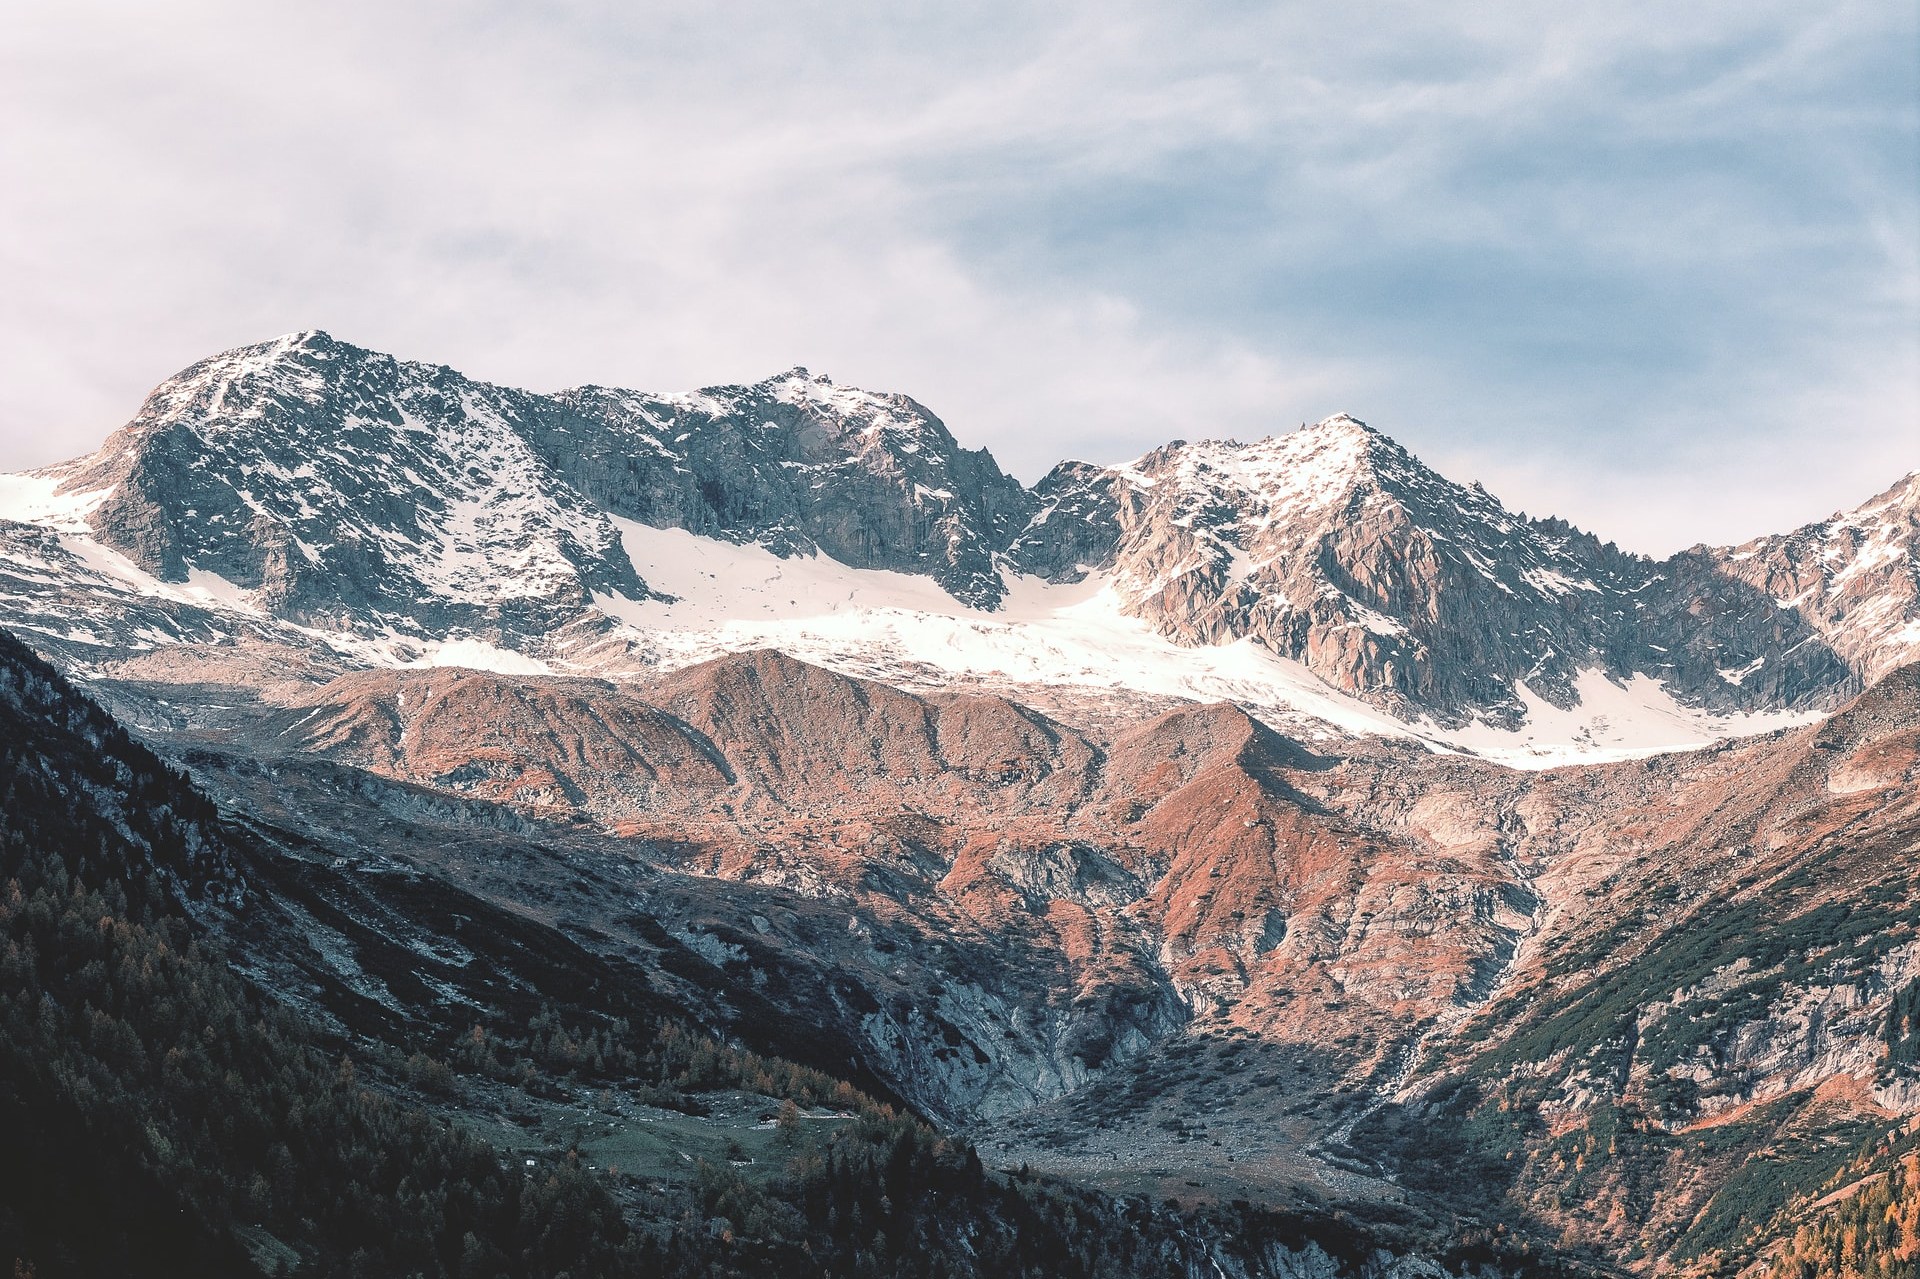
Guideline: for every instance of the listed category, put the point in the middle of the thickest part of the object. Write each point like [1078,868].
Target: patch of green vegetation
[623,1137]
[1781,948]
[1903,1026]
[1820,945]
[1794,1164]
[1461,1145]
[1613,1138]
[1863,1224]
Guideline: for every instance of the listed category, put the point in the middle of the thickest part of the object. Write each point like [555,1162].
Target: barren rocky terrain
[1153,827]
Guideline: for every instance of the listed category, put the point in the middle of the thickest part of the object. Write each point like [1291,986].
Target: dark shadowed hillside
[166,1118]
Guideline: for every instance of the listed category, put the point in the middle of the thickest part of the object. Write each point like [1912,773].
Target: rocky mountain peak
[1336,547]
[799,464]
[1855,575]
[1362,440]
[1344,422]
[898,422]
[334,485]
[1316,471]
[345,487]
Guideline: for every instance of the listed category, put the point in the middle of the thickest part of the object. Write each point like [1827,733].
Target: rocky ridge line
[348,491]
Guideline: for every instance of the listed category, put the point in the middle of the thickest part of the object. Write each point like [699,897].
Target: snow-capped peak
[1341,422]
[872,410]
[1315,467]
[1856,574]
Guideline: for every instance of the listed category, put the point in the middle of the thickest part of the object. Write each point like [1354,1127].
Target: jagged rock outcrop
[794,462]
[1855,577]
[348,488]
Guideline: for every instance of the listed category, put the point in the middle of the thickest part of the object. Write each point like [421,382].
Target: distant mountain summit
[1335,546]
[1854,576]
[346,486]
[312,484]
[343,487]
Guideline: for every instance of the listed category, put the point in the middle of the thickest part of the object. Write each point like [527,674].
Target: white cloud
[1074,230]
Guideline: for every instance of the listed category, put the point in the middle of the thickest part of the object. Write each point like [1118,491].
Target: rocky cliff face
[795,463]
[1855,577]
[351,489]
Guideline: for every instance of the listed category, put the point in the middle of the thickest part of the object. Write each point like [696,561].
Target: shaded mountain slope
[1714,1014]
[164,1119]
[146,1090]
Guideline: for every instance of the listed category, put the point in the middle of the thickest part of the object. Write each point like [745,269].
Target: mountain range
[1276,824]
[310,483]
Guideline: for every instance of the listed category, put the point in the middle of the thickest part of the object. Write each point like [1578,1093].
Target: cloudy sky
[1652,267]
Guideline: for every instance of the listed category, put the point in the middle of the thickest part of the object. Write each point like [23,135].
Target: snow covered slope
[902,630]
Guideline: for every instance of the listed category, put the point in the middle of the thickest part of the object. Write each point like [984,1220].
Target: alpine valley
[453,830]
